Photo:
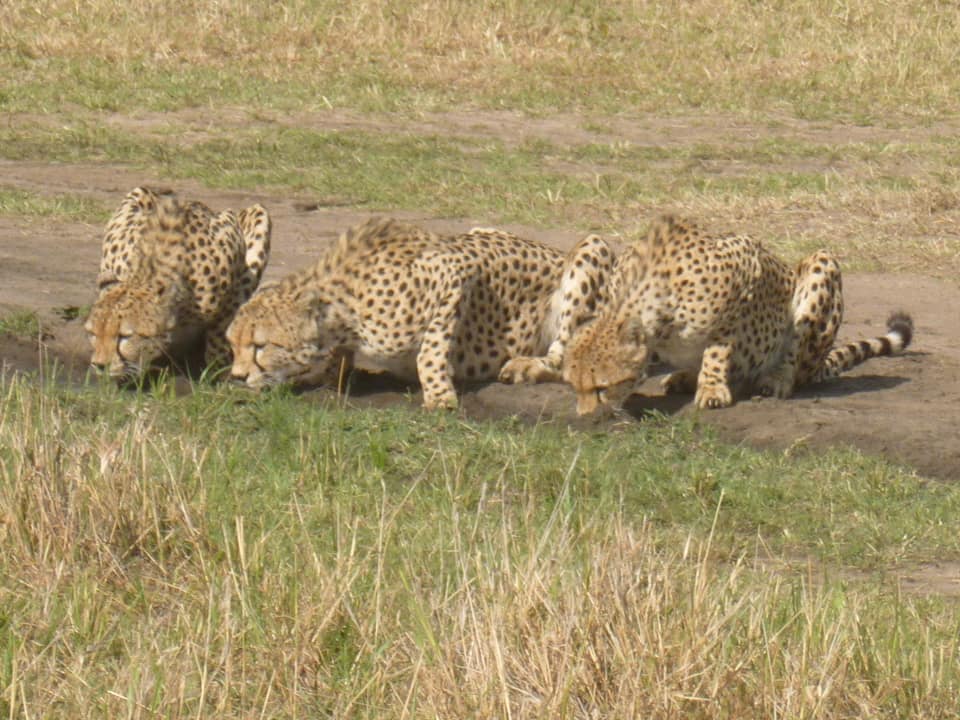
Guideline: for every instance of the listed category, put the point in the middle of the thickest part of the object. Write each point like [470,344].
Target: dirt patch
[902,408]
[513,127]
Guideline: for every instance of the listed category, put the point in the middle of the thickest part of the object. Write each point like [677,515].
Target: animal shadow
[643,406]
[850,385]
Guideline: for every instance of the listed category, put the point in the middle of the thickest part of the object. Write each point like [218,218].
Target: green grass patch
[536,182]
[21,203]
[23,323]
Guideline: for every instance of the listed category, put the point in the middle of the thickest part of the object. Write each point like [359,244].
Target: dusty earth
[905,408]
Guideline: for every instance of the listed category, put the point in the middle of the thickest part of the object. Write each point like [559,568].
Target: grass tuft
[23,323]
[21,203]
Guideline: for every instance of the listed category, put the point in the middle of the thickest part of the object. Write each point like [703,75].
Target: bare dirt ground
[905,408]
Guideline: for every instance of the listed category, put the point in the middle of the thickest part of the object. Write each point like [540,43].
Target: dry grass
[151,568]
[817,57]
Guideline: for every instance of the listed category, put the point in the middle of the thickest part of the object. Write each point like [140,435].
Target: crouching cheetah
[172,274]
[422,307]
[726,313]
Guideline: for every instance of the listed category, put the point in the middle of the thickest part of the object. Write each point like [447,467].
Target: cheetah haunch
[726,313]
[476,306]
[172,274]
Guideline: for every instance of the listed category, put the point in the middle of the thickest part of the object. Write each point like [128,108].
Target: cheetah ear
[170,320]
[171,290]
[106,279]
[630,331]
[633,340]
[310,330]
[315,317]
[312,299]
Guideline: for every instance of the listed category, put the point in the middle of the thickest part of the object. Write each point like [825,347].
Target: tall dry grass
[125,591]
[815,56]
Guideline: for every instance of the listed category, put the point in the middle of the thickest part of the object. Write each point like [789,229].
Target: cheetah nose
[238,375]
[98,366]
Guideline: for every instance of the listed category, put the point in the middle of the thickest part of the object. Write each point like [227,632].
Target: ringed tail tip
[901,324]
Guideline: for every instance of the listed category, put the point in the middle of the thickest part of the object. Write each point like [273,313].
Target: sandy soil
[903,408]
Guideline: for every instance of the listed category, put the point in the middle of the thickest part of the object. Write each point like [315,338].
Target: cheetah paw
[440,402]
[528,370]
[775,386]
[713,396]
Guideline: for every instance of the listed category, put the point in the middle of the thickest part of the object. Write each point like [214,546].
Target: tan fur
[172,274]
[424,307]
[726,313]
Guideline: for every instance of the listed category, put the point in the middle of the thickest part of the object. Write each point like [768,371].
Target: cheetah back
[726,312]
[419,305]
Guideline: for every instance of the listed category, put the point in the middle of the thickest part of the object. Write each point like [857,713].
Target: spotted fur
[425,307]
[726,313]
[172,275]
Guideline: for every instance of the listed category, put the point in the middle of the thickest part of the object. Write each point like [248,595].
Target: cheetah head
[604,362]
[277,339]
[132,325]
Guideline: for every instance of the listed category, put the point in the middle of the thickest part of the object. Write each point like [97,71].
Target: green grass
[23,323]
[223,553]
[765,187]
[21,203]
[462,176]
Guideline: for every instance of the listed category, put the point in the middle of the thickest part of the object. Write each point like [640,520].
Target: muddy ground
[906,409]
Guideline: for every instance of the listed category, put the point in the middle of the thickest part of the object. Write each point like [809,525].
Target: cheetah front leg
[217,353]
[713,381]
[586,272]
[256,227]
[434,368]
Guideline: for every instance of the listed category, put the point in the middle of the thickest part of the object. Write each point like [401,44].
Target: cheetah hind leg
[817,314]
[587,270]
[217,354]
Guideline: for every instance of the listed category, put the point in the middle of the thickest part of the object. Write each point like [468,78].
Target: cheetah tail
[895,341]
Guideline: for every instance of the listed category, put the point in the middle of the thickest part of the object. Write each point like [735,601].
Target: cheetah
[478,306]
[726,313]
[172,275]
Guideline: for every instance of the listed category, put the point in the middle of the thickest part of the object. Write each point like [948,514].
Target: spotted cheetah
[172,273]
[438,309]
[726,313]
